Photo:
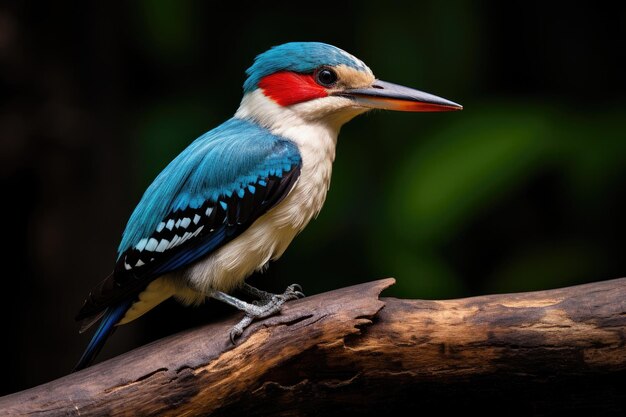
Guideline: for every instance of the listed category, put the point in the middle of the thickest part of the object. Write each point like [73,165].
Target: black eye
[326,77]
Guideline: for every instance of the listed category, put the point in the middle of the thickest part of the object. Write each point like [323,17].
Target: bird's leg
[271,304]
[264,296]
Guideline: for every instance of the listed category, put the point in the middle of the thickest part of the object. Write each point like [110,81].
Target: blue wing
[205,197]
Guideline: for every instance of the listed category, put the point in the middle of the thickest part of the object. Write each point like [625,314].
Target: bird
[237,196]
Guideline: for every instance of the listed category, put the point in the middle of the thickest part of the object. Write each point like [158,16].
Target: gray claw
[238,328]
[294,290]
[233,336]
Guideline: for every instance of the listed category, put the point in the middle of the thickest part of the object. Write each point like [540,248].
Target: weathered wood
[341,352]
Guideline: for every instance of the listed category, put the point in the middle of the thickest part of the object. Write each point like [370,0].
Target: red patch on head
[287,88]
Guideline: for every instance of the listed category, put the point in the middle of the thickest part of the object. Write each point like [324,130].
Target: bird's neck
[307,132]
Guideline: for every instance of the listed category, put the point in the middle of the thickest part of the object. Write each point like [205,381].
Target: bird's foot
[263,296]
[267,305]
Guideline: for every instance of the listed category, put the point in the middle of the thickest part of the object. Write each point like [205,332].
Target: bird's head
[320,82]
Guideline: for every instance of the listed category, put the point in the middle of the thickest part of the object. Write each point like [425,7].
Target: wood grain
[348,351]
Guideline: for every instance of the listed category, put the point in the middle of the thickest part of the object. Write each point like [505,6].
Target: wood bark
[348,351]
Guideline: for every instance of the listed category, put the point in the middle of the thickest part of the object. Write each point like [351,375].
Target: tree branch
[546,352]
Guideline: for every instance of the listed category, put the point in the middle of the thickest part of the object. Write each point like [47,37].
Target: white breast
[268,237]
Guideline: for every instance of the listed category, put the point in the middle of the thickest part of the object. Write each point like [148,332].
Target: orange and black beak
[388,96]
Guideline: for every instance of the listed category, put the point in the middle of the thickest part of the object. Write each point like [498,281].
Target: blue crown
[302,57]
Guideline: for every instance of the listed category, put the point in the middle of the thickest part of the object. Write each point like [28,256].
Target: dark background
[523,190]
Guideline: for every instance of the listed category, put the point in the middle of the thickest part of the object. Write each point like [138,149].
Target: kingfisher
[237,196]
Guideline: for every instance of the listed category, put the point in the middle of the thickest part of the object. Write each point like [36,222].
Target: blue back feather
[302,57]
[220,162]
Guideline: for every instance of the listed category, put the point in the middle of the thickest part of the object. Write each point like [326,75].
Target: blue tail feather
[105,329]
